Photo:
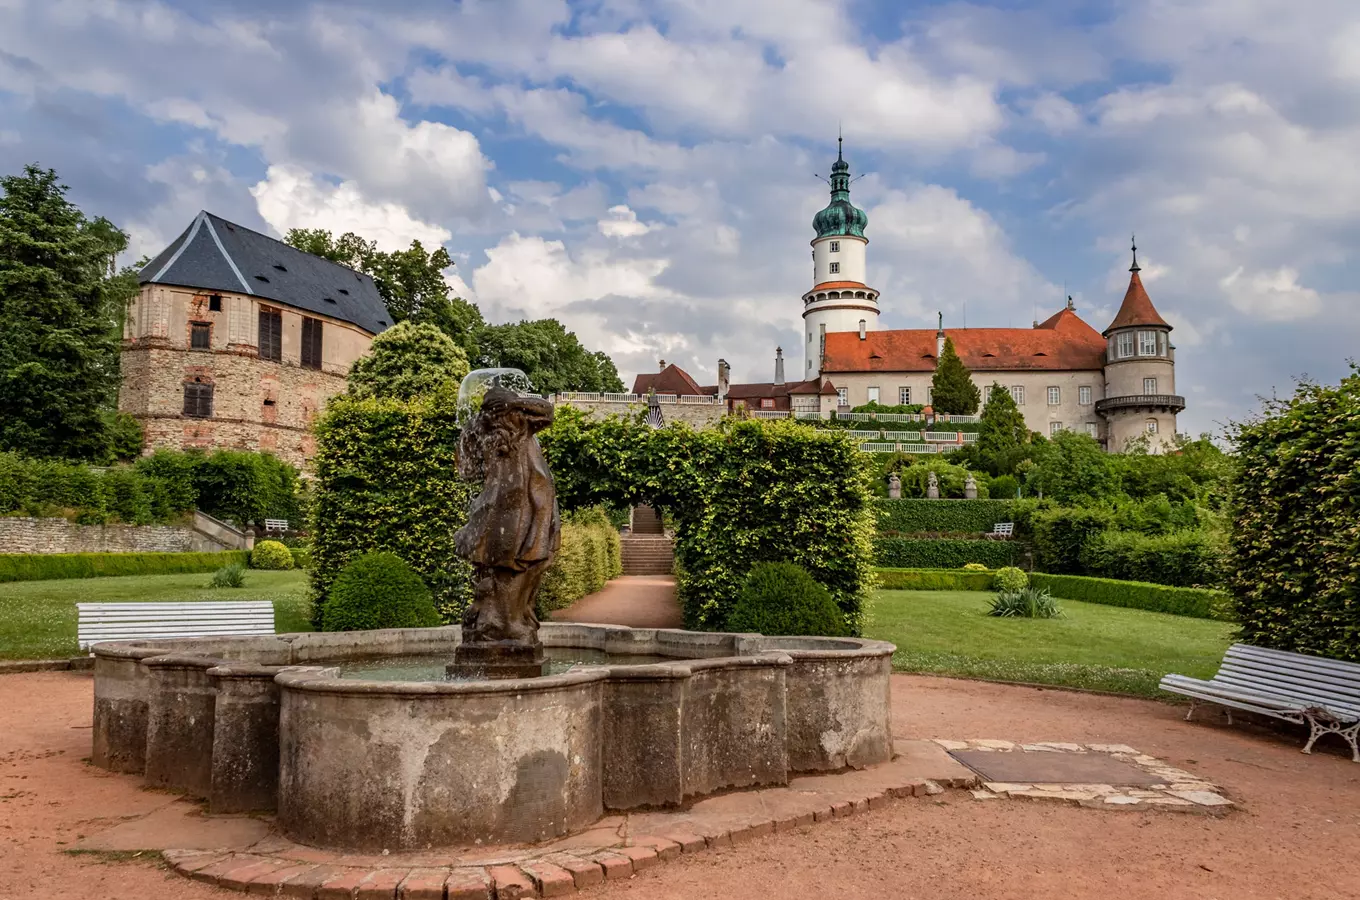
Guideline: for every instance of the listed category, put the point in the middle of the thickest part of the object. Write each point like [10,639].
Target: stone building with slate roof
[237,340]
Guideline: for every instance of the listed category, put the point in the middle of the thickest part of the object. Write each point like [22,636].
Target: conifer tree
[59,313]
[952,388]
[1003,437]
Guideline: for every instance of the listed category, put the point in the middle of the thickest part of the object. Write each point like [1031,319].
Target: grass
[38,618]
[1105,648]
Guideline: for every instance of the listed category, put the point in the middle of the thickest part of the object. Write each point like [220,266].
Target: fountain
[377,741]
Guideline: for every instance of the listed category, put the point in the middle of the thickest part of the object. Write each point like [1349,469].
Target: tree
[410,282]
[551,356]
[952,388]
[60,306]
[406,361]
[1072,468]
[1003,438]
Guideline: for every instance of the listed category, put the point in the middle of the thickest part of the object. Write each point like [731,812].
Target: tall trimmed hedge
[743,493]
[909,516]
[1296,522]
[1197,603]
[588,558]
[1190,558]
[46,566]
[924,553]
[934,580]
[386,480]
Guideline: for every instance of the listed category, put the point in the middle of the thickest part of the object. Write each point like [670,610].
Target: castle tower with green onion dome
[839,299]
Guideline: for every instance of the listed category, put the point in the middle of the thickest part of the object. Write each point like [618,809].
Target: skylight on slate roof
[262,278]
[329,299]
[280,267]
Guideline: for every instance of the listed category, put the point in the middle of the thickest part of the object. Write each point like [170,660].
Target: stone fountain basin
[268,724]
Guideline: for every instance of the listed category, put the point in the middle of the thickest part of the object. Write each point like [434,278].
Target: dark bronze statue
[512,531]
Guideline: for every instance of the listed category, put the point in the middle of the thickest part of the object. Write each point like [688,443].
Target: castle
[1115,385]
[238,340]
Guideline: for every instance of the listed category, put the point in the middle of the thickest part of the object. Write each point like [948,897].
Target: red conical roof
[1137,308]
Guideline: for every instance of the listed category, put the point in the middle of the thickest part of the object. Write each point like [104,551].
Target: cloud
[291,197]
[622,223]
[1272,296]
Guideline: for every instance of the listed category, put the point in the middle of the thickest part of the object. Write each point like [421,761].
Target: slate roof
[216,255]
[1137,308]
[1063,342]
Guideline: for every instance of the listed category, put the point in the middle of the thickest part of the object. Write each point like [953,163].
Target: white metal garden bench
[275,524]
[136,621]
[1322,693]
[1002,531]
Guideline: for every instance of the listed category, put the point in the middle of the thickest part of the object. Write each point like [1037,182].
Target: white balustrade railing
[597,397]
[770,413]
[898,436]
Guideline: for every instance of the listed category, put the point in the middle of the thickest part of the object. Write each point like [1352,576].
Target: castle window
[1149,385]
[835,246]
[311,343]
[1054,396]
[1084,395]
[766,403]
[834,268]
[843,396]
[200,335]
[1161,343]
[873,395]
[215,303]
[1092,429]
[1151,426]
[1125,345]
[198,399]
[903,396]
[1018,394]
[1054,427]
[271,335]
[1147,343]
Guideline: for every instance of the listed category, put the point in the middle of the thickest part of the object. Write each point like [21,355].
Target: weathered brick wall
[695,415]
[24,535]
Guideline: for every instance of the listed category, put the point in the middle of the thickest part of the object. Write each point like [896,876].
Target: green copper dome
[840,216]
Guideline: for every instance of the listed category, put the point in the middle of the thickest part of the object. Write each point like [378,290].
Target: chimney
[863,329]
[778,365]
[939,337]
[662,364]
[724,378]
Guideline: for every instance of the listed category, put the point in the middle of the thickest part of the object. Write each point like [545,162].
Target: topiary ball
[1009,580]
[783,599]
[378,590]
[271,555]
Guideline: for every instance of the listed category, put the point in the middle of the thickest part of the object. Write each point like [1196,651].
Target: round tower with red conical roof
[1140,372]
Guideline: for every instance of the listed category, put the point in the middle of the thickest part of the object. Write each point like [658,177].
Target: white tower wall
[846,251]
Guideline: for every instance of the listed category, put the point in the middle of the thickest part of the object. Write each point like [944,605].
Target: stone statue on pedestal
[512,531]
[894,487]
[970,488]
[932,487]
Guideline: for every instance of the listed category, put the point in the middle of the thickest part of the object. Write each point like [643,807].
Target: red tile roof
[670,380]
[839,285]
[1137,308]
[1063,342]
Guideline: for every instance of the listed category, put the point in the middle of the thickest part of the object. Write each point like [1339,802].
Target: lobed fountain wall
[266,723]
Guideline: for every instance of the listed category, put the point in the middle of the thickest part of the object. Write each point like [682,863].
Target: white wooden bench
[275,524]
[1322,693]
[139,621]
[1002,531]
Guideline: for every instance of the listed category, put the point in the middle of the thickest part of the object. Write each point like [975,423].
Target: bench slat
[102,622]
[184,615]
[143,628]
[1299,661]
[150,606]
[1310,689]
[1265,698]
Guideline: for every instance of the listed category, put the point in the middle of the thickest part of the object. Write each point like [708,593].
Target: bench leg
[1191,711]
[1348,733]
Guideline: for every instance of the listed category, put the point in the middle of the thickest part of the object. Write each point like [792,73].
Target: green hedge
[909,516]
[920,553]
[46,566]
[1190,558]
[588,558]
[1199,603]
[934,580]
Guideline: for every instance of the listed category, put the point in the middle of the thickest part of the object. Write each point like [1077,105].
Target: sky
[646,170]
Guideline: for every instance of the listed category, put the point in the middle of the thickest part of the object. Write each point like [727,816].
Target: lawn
[38,618]
[1105,648]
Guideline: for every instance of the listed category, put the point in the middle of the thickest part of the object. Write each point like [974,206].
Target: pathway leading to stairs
[638,601]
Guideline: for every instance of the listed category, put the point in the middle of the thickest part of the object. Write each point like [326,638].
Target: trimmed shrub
[586,561]
[918,553]
[232,576]
[302,557]
[1027,603]
[975,567]
[1190,558]
[378,590]
[1009,580]
[934,580]
[1295,508]
[909,516]
[784,599]
[1003,487]
[271,555]
[1061,536]
[1197,603]
[45,566]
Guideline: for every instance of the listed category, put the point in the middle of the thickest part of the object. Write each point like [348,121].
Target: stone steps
[647,555]
[646,521]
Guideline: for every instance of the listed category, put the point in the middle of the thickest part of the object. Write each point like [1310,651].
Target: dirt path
[638,601]
[1296,835]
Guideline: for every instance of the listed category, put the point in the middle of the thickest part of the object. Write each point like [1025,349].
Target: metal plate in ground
[1033,767]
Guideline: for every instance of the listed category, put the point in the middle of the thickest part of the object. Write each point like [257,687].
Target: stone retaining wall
[695,415]
[24,535]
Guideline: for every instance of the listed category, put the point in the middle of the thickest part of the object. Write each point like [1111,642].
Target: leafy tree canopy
[1072,468]
[61,304]
[406,361]
[1003,438]
[952,388]
[551,356]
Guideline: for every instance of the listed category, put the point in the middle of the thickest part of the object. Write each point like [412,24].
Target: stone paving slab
[1063,772]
